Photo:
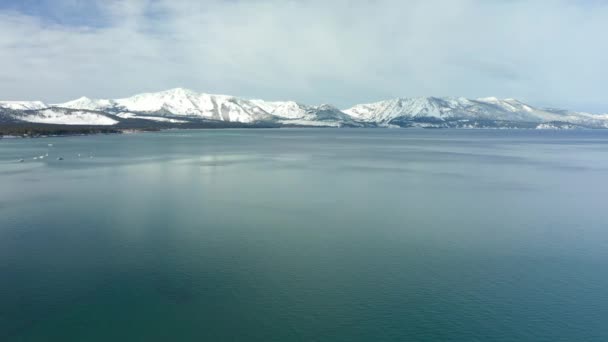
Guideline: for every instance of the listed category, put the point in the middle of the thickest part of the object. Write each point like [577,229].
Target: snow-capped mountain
[178,102]
[442,108]
[87,103]
[463,112]
[293,113]
[285,109]
[184,102]
[22,105]
[181,107]
[64,116]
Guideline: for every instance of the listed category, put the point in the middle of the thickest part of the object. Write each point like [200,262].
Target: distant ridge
[181,106]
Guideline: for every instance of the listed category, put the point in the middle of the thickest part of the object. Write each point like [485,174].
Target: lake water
[305,235]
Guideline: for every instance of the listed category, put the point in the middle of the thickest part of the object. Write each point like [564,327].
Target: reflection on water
[305,234]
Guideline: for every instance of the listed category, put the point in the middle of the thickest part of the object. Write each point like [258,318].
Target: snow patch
[127,115]
[23,105]
[52,116]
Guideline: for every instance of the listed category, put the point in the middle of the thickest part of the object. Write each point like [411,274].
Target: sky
[546,52]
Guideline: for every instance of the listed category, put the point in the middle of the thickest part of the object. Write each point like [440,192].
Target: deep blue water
[305,235]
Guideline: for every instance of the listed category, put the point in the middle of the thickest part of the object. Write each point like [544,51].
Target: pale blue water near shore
[305,235]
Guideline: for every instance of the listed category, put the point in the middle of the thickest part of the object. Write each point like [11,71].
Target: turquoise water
[305,235]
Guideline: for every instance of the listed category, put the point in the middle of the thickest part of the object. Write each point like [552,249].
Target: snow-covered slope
[127,115]
[67,117]
[184,102]
[179,101]
[87,103]
[22,105]
[183,106]
[327,113]
[404,111]
[435,107]
[285,109]
[293,113]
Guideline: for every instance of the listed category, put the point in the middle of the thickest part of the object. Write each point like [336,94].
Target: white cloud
[545,52]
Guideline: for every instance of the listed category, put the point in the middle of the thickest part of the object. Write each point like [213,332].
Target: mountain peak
[87,103]
[401,111]
[22,105]
[326,106]
[180,91]
[489,99]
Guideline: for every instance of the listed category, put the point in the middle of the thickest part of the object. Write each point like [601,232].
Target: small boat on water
[21,160]
[59,158]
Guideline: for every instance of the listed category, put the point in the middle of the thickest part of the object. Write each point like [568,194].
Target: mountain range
[182,107]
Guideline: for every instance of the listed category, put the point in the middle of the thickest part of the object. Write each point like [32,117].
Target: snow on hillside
[22,105]
[451,108]
[63,117]
[385,111]
[186,102]
[285,109]
[166,105]
[179,101]
[87,103]
[293,113]
[126,115]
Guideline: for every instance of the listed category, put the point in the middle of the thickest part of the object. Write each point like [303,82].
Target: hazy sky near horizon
[547,53]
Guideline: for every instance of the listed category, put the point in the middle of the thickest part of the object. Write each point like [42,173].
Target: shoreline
[54,132]
[77,133]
